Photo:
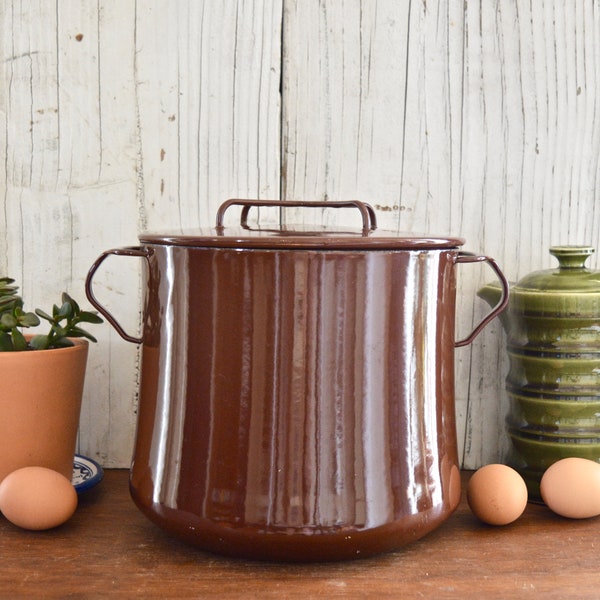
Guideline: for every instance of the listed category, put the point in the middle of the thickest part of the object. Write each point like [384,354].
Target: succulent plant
[64,322]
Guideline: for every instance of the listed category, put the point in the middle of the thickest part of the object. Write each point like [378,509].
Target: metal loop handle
[465,257]
[130,251]
[366,210]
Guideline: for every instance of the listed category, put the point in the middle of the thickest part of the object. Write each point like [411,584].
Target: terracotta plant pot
[40,405]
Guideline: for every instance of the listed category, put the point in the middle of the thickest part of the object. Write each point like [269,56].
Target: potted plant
[41,382]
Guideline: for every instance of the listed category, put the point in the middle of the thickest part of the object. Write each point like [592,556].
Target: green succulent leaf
[6,287]
[59,332]
[78,332]
[40,342]
[67,299]
[44,315]
[62,343]
[6,344]
[8,301]
[90,317]
[65,311]
[28,320]
[8,321]
[19,341]
[64,321]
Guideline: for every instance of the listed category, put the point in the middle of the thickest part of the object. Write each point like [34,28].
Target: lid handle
[369,219]
[571,257]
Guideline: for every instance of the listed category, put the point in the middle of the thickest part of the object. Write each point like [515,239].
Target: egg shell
[37,498]
[497,494]
[570,487]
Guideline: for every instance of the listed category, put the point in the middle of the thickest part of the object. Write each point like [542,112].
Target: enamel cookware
[297,385]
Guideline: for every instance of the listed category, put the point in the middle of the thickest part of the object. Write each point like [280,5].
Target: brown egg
[571,488]
[37,498]
[497,494]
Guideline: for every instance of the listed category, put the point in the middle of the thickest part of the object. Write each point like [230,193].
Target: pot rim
[310,237]
[77,343]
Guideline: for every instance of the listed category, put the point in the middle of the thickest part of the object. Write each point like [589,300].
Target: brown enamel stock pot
[297,387]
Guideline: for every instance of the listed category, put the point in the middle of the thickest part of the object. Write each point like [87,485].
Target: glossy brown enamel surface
[297,405]
[299,238]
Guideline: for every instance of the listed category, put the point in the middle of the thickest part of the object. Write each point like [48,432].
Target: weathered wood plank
[475,119]
[207,81]
[472,119]
[118,117]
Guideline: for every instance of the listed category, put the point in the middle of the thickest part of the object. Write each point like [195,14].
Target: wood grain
[109,548]
[475,119]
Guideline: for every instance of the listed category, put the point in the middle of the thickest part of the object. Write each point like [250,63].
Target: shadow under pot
[297,388]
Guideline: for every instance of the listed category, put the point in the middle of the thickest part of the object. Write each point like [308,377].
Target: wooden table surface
[109,548]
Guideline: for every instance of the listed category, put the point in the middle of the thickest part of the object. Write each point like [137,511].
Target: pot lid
[570,277]
[245,235]
[570,291]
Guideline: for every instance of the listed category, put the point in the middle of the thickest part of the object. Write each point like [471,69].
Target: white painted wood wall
[478,119]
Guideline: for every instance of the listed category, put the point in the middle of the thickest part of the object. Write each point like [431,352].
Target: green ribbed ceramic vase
[553,340]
